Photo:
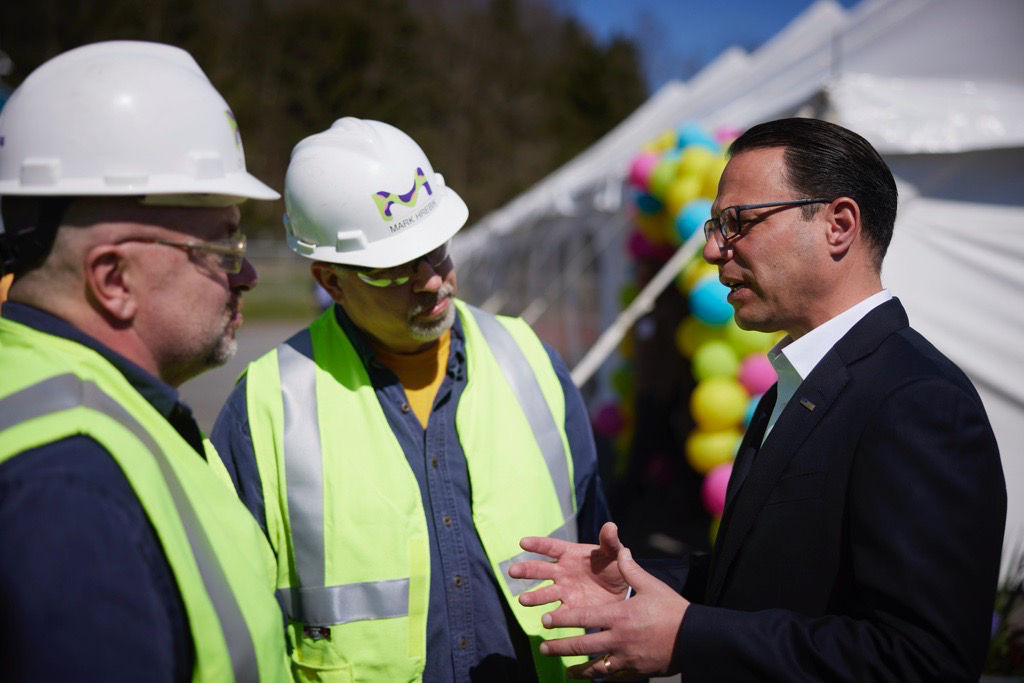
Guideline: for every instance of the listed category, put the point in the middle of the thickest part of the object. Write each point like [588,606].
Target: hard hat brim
[450,214]
[241,185]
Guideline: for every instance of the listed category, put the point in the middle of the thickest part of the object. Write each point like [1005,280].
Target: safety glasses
[227,254]
[401,274]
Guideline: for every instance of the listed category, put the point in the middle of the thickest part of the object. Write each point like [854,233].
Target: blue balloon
[647,203]
[692,133]
[751,407]
[708,302]
[692,218]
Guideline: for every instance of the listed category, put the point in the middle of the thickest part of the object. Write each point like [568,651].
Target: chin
[755,324]
[428,332]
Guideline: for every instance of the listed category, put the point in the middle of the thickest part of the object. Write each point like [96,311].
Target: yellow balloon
[695,270]
[682,191]
[666,141]
[719,403]
[705,450]
[711,175]
[692,333]
[716,522]
[696,160]
[652,226]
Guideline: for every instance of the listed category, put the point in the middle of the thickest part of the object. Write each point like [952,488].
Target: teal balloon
[708,302]
[692,133]
[647,203]
[751,409]
[692,218]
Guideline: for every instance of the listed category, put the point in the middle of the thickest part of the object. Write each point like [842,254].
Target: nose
[428,278]
[245,279]
[715,254]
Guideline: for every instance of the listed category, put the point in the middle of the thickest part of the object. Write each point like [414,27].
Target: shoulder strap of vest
[65,392]
[519,375]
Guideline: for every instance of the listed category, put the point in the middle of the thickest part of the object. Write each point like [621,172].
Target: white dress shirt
[794,360]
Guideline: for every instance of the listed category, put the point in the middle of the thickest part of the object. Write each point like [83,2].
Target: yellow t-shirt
[420,373]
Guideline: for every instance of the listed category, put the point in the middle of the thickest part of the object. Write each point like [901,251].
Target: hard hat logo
[385,200]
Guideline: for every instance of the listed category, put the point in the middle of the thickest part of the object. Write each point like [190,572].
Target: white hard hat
[123,118]
[363,193]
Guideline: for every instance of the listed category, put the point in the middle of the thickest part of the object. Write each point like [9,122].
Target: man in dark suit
[864,520]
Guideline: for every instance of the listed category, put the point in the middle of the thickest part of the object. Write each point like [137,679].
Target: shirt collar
[806,352]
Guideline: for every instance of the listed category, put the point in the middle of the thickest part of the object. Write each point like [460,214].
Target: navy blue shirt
[86,593]
[471,635]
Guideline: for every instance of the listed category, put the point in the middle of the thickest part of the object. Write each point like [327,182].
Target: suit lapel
[802,414]
[750,444]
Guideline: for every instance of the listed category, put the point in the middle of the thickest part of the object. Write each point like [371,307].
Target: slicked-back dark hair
[826,160]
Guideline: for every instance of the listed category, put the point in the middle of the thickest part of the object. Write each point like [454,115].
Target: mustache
[444,291]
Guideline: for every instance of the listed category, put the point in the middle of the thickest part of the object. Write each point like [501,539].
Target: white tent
[936,85]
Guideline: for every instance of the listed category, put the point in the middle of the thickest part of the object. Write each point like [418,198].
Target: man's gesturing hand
[583,574]
[637,636]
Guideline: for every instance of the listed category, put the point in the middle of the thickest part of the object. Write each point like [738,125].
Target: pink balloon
[642,249]
[608,420]
[712,491]
[756,374]
[641,168]
[726,134]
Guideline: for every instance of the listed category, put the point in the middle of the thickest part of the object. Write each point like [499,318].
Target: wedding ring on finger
[607,664]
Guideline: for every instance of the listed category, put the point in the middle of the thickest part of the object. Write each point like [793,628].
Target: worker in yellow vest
[124,553]
[397,449]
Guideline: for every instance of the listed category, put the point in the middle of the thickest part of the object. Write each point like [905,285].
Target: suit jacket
[862,540]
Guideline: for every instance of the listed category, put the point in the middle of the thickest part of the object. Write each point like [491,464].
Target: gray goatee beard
[429,331]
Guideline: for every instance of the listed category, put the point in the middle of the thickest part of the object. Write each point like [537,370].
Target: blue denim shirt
[471,635]
[86,593]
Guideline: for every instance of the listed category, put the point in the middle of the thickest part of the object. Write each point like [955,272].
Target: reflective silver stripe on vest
[64,392]
[303,462]
[313,603]
[520,377]
[566,532]
[332,605]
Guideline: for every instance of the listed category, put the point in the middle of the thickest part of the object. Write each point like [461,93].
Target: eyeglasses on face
[401,274]
[728,224]
[227,254]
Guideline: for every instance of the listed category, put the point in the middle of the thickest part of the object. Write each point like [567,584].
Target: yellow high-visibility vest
[344,510]
[54,388]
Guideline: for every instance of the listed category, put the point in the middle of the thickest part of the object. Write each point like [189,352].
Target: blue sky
[677,37]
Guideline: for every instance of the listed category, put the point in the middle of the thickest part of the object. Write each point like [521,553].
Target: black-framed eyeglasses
[229,252]
[728,224]
[401,274]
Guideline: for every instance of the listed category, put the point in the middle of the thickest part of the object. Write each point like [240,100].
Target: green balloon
[662,176]
[715,358]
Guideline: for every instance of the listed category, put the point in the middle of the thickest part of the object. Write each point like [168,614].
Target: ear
[843,226]
[326,276]
[108,284]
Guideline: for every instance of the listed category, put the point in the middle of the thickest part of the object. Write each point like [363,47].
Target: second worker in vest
[397,449]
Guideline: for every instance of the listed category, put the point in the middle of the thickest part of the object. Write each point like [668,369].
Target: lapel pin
[807,404]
